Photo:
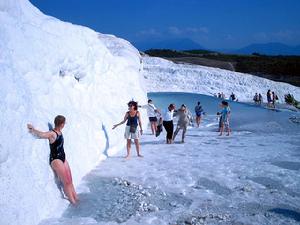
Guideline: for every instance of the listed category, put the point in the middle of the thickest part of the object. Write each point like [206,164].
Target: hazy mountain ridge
[175,43]
[180,44]
[269,49]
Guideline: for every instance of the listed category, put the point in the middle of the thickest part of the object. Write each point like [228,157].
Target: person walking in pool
[167,117]
[151,113]
[260,99]
[183,121]
[133,119]
[224,120]
[274,98]
[57,160]
[255,98]
[199,112]
[269,98]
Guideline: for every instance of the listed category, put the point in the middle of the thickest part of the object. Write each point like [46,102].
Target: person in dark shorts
[57,158]
[151,113]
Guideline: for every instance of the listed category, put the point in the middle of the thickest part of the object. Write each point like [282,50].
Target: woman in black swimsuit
[57,159]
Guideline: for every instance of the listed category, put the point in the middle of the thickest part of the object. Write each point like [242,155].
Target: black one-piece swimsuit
[57,149]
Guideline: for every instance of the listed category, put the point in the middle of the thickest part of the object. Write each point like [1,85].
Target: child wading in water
[224,120]
[133,119]
[57,160]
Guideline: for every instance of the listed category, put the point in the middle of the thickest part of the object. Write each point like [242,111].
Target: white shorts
[129,135]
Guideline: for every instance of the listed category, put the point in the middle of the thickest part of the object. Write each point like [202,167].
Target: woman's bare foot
[139,155]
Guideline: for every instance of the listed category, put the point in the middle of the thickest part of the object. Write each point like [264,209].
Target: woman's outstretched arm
[45,135]
[124,120]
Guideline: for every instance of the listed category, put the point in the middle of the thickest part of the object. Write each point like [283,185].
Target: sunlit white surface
[249,177]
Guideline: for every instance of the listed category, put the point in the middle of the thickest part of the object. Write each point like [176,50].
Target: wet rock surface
[212,185]
[287,165]
[295,119]
[205,218]
[116,199]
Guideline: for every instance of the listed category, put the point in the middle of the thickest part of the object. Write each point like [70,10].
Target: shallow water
[246,178]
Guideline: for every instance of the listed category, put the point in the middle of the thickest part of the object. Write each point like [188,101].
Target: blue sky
[214,24]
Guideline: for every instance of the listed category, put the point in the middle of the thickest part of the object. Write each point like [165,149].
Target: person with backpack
[133,119]
[198,112]
[57,159]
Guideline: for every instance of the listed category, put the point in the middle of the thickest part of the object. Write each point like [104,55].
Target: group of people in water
[133,130]
[271,99]
[232,96]
[165,118]
[258,99]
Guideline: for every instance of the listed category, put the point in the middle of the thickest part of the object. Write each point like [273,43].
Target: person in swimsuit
[133,119]
[57,158]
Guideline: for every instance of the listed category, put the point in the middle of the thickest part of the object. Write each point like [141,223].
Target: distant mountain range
[188,44]
[269,49]
[174,44]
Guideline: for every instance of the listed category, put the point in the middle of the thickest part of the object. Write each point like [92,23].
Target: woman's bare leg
[176,132]
[198,120]
[128,148]
[68,170]
[137,146]
[221,129]
[153,127]
[183,134]
[59,168]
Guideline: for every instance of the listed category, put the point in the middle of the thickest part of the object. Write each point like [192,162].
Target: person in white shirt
[167,117]
[151,113]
